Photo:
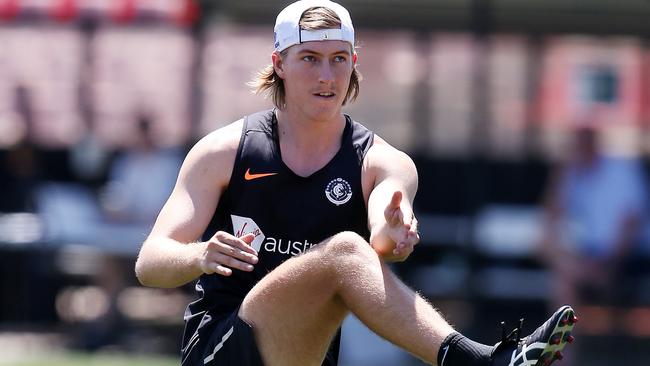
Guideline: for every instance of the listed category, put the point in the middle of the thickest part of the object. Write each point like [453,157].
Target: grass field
[80,359]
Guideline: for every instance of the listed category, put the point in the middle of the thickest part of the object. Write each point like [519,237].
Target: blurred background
[528,121]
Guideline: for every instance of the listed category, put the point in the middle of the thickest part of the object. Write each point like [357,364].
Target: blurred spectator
[89,161]
[19,177]
[140,180]
[594,208]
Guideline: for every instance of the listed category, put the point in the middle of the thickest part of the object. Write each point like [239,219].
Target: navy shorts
[226,340]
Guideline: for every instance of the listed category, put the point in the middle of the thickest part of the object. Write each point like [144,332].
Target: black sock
[458,350]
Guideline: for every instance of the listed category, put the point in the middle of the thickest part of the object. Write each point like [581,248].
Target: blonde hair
[268,82]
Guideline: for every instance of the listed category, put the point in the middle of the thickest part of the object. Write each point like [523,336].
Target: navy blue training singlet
[287,213]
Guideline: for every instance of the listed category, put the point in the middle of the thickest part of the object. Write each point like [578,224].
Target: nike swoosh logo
[251,176]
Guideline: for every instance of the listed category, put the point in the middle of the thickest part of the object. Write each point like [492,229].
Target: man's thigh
[295,310]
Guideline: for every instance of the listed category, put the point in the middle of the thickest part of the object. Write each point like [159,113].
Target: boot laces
[514,335]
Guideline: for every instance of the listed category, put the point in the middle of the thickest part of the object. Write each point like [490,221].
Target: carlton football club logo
[338,191]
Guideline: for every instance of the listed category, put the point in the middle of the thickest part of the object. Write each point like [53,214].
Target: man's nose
[326,74]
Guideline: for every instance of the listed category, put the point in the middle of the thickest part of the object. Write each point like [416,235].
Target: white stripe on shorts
[218,346]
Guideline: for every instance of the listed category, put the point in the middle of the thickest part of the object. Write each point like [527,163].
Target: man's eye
[340,59]
[308,58]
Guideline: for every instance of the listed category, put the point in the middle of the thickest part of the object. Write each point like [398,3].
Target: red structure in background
[189,13]
[179,12]
[9,9]
[64,10]
[583,77]
[124,11]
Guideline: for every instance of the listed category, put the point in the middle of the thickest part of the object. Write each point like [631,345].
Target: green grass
[81,359]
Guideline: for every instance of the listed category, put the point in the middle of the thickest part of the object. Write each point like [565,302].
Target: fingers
[403,226]
[242,243]
[248,238]
[414,230]
[218,269]
[225,252]
[242,264]
[405,246]
[393,212]
[395,200]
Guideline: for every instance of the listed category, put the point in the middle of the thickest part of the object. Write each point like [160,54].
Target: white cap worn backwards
[287,25]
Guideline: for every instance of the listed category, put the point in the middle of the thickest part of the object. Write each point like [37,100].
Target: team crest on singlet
[338,191]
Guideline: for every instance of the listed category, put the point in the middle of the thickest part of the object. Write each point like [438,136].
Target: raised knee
[348,243]
[348,254]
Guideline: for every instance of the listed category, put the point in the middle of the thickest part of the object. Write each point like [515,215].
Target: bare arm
[172,256]
[390,182]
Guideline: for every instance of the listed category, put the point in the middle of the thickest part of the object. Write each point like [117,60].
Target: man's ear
[354,59]
[278,65]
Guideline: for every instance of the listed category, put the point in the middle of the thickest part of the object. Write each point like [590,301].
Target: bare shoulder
[202,179]
[221,140]
[383,156]
[214,155]
[384,162]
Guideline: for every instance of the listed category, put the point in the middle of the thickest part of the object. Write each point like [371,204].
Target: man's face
[316,77]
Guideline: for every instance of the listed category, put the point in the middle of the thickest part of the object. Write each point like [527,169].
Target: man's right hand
[396,238]
[225,252]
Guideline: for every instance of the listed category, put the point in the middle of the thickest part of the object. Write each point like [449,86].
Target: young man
[301,208]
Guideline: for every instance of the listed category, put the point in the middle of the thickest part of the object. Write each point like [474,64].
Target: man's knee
[348,246]
[346,242]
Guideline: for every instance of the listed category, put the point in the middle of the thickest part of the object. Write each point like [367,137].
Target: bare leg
[296,309]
